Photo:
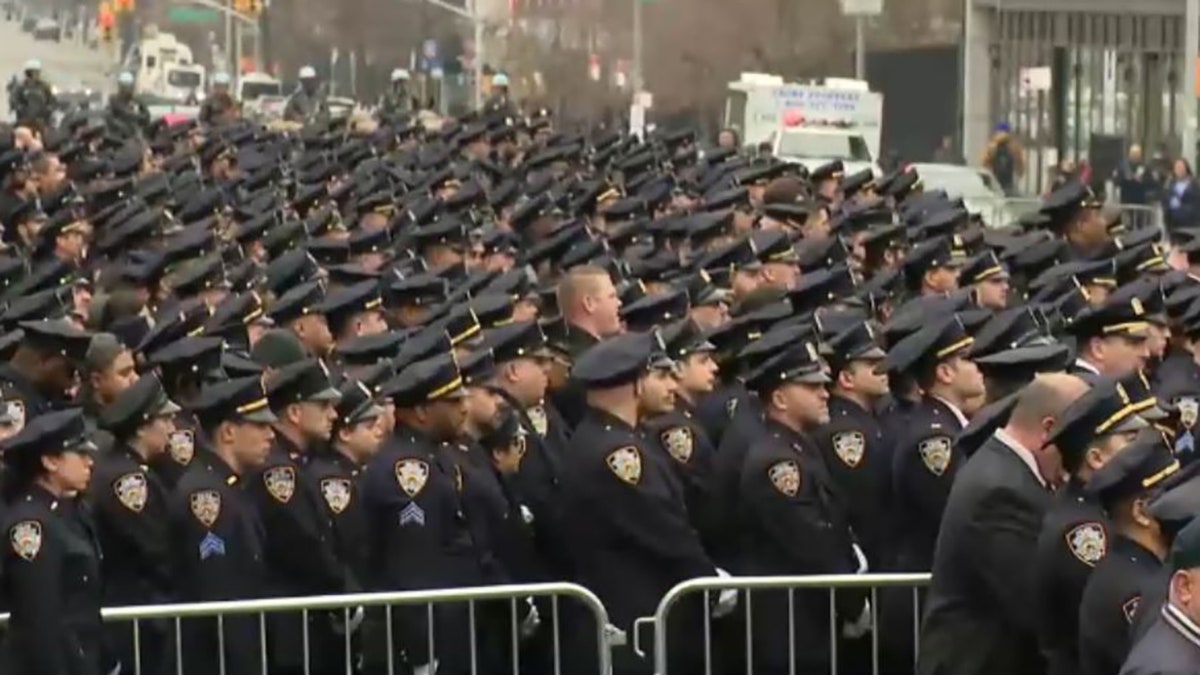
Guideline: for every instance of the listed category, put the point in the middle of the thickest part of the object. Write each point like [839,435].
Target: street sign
[191,14]
[862,7]
[1038,78]
[430,49]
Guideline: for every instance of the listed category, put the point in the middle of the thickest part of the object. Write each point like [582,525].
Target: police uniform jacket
[924,466]
[1170,647]
[295,519]
[181,449]
[689,456]
[538,481]
[1111,603]
[632,539]
[570,400]
[859,461]
[791,524]
[979,616]
[218,543]
[421,539]
[53,586]
[338,477]
[1073,540]
[130,504]
[746,424]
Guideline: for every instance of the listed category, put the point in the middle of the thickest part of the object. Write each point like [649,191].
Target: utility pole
[1187,80]
[227,46]
[860,48]
[637,46]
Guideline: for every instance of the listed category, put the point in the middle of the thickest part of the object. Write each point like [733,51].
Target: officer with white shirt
[1111,340]
[980,604]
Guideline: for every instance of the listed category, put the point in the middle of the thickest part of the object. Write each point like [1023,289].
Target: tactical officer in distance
[217,535]
[53,580]
[633,541]
[307,104]
[130,502]
[1142,491]
[128,116]
[398,101]
[32,99]
[1075,532]
[791,523]
[410,492]
[219,106]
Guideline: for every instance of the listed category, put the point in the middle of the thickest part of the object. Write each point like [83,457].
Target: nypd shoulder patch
[1088,542]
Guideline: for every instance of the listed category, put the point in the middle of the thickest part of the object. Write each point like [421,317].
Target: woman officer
[51,561]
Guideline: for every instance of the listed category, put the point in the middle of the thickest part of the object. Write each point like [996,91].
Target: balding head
[1046,398]
[1039,405]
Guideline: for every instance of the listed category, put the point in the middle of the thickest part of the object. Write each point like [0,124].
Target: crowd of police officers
[383,355]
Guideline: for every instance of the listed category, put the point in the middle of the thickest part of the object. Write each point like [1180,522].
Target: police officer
[852,443]
[42,371]
[294,517]
[53,580]
[520,352]
[398,101]
[130,502]
[925,459]
[421,534]
[33,100]
[1075,531]
[219,107]
[1128,490]
[682,439]
[1171,645]
[791,522]
[127,115]
[217,536]
[500,103]
[307,104]
[1111,340]
[632,539]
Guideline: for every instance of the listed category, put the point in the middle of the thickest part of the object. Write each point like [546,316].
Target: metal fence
[351,609]
[1005,212]
[908,601]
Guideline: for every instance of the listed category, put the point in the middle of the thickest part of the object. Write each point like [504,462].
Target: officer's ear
[1139,513]
[944,372]
[292,414]
[510,371]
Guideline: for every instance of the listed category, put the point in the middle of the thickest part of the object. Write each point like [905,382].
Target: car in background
[978,188]
[812,147]
[47,29]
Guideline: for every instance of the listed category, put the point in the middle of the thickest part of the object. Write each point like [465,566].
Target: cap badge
[935,452]
[26,538]
[1088,542]
[626,463]
[412,474]
[206,506]
[679,443]
[785,476]
[849,447]
[337,494]
[131,491]
[281,483]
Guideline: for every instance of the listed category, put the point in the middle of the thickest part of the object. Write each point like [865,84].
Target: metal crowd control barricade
[747,585]
[349,604]
[1004,212]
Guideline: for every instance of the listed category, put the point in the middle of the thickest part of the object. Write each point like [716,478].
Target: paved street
[65,64]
